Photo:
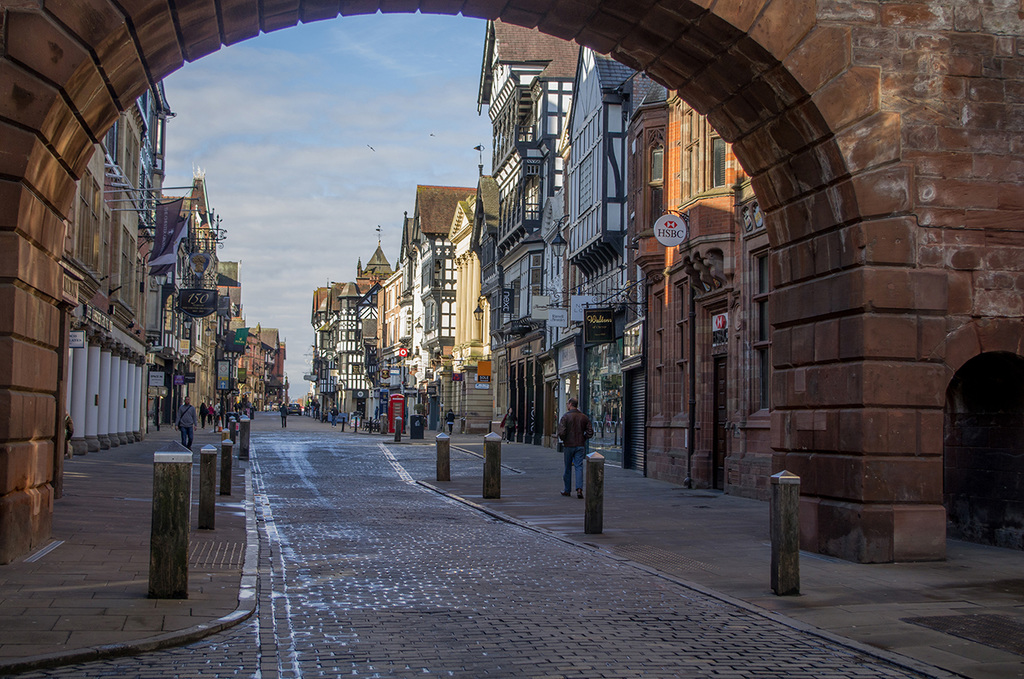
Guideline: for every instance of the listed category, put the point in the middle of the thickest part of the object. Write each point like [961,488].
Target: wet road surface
[364,573]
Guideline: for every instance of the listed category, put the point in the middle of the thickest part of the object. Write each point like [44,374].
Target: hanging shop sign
[558,318]
[156,378]
[671,230]
[483,372]
[599,326]
[456,377]
[197,302]
[578,306]
[507,297]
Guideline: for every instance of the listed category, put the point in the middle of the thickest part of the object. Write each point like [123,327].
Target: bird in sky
[371,148]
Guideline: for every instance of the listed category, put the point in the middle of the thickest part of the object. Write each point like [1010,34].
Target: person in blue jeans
[186,422]
[574,429]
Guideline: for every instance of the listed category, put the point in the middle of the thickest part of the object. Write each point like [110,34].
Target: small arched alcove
[983,486]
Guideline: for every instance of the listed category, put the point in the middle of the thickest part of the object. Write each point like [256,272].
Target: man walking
[574,429]
[284,415]
[186,422]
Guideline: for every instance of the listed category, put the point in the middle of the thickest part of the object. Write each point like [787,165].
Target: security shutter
[636,428]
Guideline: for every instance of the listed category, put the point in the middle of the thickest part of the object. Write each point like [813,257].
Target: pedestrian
[334,416]
[509,423]
[216,414]
[574,429]
[450,419]
[186,421]
[203,413]
[284,415]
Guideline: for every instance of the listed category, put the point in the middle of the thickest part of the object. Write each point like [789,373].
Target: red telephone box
[396,408]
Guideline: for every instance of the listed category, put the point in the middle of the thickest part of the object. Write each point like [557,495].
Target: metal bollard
[492,466]
[233,429]
[207,487]
[785,533]
[398,430]
[243,438]
[226,447]
[168,541]
[593,517]
[444,468]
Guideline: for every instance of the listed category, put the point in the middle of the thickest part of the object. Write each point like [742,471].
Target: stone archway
[879,138]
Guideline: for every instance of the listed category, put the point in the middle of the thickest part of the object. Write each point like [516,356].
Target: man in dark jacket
[574,429]
[186,421]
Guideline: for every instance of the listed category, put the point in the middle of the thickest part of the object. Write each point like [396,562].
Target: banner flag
[171,228]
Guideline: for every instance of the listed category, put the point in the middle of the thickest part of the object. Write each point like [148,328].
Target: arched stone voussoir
[980,336]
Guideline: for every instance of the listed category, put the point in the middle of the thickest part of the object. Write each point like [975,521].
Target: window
[717,162]
[761,340]
[657,165]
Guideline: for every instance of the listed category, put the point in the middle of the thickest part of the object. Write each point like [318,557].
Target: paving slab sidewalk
[83,595]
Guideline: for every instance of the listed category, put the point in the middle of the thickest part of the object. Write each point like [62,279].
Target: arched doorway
[866,168]
[984,451]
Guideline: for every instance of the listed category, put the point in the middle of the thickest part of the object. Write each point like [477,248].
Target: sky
[313,136]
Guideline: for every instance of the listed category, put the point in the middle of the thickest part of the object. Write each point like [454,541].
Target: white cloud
[282,128]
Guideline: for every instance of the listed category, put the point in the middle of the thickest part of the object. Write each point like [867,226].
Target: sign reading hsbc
[671,230]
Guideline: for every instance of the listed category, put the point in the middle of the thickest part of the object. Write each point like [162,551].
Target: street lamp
[478,312]
[558,245]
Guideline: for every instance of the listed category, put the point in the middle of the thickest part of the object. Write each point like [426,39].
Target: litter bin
[416,427]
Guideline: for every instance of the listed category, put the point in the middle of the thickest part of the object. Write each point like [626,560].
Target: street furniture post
[243,437]
[593,516]
[233,428]
[444,468]
[226,447]
[398,430]
[168,541]
[207,487]
[492,466]
[785,533]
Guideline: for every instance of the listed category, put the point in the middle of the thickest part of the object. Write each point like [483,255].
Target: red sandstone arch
[856,151]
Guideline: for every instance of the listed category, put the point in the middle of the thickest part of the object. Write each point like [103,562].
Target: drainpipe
[692,425]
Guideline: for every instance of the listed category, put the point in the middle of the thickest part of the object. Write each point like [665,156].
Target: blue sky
[312,136]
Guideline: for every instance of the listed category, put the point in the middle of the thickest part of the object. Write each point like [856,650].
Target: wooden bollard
[168,540]
[226,447]
[233,429]
[444,466]
[243,437]
[785,533]
[593,517]
[207,487]
[492,466]
[398,430]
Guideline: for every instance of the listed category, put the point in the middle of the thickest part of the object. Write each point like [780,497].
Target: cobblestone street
[365,573]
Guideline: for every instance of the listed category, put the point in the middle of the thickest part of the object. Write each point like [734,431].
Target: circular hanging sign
[671,230]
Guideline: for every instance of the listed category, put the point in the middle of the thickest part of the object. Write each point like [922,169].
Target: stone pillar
[79,391]
[244,428]
[113,398]
[168,542]
[492,466]
[207,487]
[92,397]
[593,517]
[133,401]
[785,533]
[444,469]
[103,395]
[122,401]
[141,402]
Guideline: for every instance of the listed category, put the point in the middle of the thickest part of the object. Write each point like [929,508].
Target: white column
[131,422]
[103,391]
[142,401]
[122,401]
[112,400]
[92,390]
[78,397]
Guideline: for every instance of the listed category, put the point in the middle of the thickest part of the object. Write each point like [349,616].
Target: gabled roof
[511,44]
[435,206]
[485,217]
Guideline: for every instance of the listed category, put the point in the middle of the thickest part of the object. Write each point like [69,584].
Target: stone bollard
[168,541]
[785,533]
[492,466]
[207,487]
[226,447]
[593,517]
[444,467]
[233,429]
[398,430]
[243,438]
